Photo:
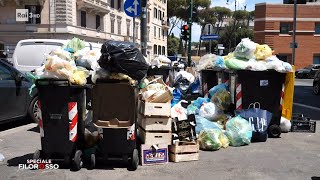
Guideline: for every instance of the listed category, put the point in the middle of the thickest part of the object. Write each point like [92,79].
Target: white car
[30,54]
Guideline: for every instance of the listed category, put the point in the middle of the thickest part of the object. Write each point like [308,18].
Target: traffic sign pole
[134,28]
[190,26]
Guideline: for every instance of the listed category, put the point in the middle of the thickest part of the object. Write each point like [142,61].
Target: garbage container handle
[254,105]
[51,81]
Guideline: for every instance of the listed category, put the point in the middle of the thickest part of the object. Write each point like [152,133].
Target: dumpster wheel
[274,131]
[92,161]
[134,161]
[77,160]
[37,154]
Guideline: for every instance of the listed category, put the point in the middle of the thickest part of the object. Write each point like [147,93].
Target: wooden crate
[155,109]
[184,151]
[155,137]
[153,156]
[155,123]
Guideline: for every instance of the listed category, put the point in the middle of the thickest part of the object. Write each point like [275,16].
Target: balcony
[165,24]
[94,6]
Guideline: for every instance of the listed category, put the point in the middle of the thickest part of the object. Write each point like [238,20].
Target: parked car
[316,83]
[30,54]
[15,101]
[308,72]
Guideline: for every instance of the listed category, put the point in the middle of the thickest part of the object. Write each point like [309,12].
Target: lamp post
[294,31]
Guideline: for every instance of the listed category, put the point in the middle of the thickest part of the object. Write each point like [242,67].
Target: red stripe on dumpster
[40,120]
[205,90]
[282,96]
[238,97]
[73,120]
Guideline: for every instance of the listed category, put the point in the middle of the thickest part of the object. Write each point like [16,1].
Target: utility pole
[294,30]
[190,26]
[144,30]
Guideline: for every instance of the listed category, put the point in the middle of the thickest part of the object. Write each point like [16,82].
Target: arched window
[163,50]
[155,49]
[159,50]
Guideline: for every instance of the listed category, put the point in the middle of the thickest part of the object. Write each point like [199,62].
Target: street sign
[208,29]
[132,8]
[209,37]
[295,46]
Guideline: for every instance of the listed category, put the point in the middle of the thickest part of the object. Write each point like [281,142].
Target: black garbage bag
[123,57]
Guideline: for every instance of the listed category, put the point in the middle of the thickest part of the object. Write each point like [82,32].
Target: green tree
[206,16]
[173,45]
[178,11]
[221,14]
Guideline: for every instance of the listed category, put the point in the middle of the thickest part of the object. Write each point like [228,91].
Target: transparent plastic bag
[262,52]
[210,111]
[245,49]
[212,139]
[207,61]
[222,99]
[238,131]
[203,123]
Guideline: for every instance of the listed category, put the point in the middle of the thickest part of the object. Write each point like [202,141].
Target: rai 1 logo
[36,164]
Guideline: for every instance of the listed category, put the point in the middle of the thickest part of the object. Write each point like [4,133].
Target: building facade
[274,24]
[90,20]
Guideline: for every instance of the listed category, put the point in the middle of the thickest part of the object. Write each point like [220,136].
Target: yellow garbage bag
[288,95]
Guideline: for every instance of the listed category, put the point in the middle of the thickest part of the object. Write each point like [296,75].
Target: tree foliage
[173,45]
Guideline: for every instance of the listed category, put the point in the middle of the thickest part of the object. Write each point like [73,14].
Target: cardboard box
[155,137]
[155,123]
[155,109]
[154,154]
[163,98]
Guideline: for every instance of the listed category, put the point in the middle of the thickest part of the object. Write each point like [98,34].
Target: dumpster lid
[113,102]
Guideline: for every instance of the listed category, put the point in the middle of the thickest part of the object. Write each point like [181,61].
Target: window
[128,27]
[317,28]
[155,32]
[155,11]
[162,34]
[159,50]
[112,25]
[163,50]
[155,49]
[35,10]
[119,5]
[136,31]
[98,20]
[285,28]
[5,73]
[112,3]
[163,16]
[316,59]
[159,35]
[148,35]
[283,58]
[159,14]
[119,26]
[83,19]
[148,17]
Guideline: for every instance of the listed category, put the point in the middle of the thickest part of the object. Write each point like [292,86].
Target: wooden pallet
[184,151]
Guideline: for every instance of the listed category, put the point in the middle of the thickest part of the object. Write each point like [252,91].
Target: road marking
[307,106]
[17,129]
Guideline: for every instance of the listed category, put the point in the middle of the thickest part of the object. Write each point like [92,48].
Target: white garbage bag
[285,124]
[245,49]
[210,111]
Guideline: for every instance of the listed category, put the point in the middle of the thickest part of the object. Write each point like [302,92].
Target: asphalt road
[293,156]
[305,101]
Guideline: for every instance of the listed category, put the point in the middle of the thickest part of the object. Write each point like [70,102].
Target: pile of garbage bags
[248,55]
[61,63]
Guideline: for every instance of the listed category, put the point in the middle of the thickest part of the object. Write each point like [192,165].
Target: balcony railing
[101,6]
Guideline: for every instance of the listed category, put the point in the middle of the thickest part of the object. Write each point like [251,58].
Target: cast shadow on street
[35,129]
[19,160]
[315,178]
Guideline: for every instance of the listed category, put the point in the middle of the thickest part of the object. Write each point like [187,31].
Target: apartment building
[274,24]
[90,20]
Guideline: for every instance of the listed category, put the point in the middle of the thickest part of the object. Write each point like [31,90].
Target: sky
[240,4]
